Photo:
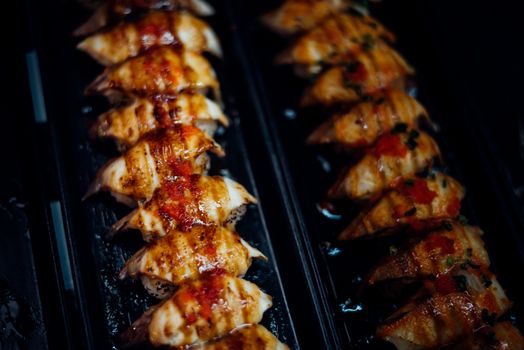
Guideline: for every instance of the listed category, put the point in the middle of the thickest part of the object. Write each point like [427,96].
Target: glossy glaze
[182,256]
[395,155]
[365,73]
[163,71]
[136,174]
[295,16]
[185,201]
[398,209]
[114,10]
[331,42]
[434,255]
[200,311]
[128,123]
[361,125]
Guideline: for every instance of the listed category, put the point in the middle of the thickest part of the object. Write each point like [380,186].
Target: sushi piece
[127,124]
[114,10]
[397,154]
[199,311]
[134,176]
[434,255]
[415,203]
[367,73]
[361,125]
[333,40]
[182,256]
[463,303]
[166,70]
[157,28]
[252,337]
[183,202]
[295,16]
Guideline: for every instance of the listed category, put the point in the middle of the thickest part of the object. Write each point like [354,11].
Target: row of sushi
[359,79]
[163,123]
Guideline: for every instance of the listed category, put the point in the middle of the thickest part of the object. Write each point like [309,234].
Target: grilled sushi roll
[368,73]
[332,40]
[162,71]
[113,10]
[436,254]
[463,303]
[253,337]
[397,154]
[182,256]
[295,16]
[127,124]
[363,123]
[135,175]
[187,201]
[413,203]
[157,28]
[502,336]
[200,311]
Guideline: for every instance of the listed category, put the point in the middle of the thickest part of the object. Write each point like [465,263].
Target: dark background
[478,55]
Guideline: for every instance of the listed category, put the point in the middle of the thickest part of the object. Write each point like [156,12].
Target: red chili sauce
[445,284]
[453,208]
[182,195]
[390,145]
[441,242]
[417,190]
[359,75]
[206,295]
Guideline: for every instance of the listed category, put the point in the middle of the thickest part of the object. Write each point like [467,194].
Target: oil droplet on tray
[357,280]
[290,114]
[324,163]
[328,210]
[330,249]
[350,307]
[334,251]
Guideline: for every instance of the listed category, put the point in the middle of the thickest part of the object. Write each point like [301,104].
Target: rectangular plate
[102,306]
[351,318]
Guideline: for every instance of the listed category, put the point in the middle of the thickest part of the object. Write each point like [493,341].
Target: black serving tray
[97,306]
[349,313]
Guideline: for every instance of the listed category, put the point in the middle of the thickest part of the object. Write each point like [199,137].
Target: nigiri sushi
[166,70]
[185,201]
[199,311]
[333,40]
[182,256]
[128,123]
[434,255]
[114,10]
[155,29]
[366,73]
[463,303]
[136,174]
[416,203]
[361,125]
[395,155]
[295,16]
